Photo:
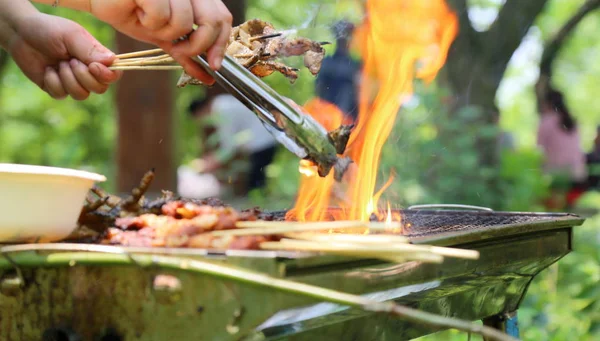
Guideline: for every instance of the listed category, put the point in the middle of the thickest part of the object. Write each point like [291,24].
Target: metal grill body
[93,301]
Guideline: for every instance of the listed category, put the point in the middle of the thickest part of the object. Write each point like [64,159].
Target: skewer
[368,239]
[251,228]
[146,67]
[139,53]
[353,250]
[323,224]
[266,36]
[145,61]
[390,244]
[137,59]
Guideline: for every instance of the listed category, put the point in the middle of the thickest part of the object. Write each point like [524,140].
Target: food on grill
[210,224]
[167,221]
[184,224]
[256,45]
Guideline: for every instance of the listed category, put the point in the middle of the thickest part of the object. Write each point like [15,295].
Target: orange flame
[396,36]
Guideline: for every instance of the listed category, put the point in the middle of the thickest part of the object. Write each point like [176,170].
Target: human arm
[57,54]
[161,22]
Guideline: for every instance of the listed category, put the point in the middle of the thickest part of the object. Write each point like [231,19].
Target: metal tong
[298,132]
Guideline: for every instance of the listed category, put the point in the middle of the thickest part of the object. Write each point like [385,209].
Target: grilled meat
[165,222]
[183,224]
[256,45]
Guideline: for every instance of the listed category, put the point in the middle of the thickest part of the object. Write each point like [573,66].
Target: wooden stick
[350,250]
[266,36]
[281,229]
[377,239]
[324,224]
[147,67]
[385,242]
[148,61]
[142,59]
[139,53]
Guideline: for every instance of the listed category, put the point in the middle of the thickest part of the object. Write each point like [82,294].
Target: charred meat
[256,45]
[183,224]
[165,222]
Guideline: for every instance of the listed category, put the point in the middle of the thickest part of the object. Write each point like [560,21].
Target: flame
[388,218]
[400,40]
[307,168]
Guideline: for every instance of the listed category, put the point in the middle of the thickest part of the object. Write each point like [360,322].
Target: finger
[190,67]
[85,78]
[193,69]
[52,84]
[83,46]
[216,52]
[70,83]
[154,14]
[103,74]
[207,32]
[180,23]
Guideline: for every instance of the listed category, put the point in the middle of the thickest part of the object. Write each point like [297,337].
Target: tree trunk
[144,104]
[145,117]
[477,60]
[473,71]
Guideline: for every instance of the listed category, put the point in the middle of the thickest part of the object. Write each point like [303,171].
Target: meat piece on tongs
[257,46]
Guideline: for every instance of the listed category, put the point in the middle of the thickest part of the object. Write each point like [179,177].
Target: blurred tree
[144,101]
[475,67]
[554,45]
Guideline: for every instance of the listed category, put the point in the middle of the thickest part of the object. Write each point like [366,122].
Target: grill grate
[427,223]
[421,223]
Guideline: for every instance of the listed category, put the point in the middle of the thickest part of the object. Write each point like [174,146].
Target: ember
[396,36]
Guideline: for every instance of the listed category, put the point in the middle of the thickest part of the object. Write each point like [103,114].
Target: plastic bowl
[41,204]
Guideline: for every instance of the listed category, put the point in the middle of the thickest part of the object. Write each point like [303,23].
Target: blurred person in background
[593,163]
[338,80]
[237,147]
[558,137]
[64,59]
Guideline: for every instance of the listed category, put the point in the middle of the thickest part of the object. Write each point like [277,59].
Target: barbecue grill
[134,303]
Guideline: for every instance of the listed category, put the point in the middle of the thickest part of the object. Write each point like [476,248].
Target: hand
[61,57]
[160,22]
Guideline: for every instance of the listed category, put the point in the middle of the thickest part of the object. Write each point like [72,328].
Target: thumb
[83,46]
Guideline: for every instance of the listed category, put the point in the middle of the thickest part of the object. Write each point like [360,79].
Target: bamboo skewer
[139,53]
[278,230]
[266,36]
[321,224]
[391,248]
[146,67]
[248,228]
[32,259]
[148,60]
[369,239]
[389,244]
[395,256]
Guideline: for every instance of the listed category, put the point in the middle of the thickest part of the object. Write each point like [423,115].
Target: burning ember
[398,41]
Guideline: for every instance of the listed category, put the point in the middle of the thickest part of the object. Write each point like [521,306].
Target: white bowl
[39,203]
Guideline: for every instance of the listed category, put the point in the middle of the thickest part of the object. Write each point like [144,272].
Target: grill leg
[506,322]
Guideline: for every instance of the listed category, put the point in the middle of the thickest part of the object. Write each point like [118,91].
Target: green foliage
[37,129]
[575,73]
[433,151]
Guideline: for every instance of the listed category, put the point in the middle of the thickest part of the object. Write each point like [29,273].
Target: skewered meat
[256,45]
[164,222]
[183,224]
